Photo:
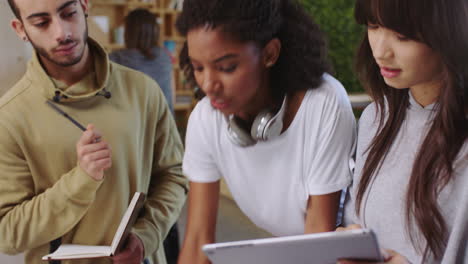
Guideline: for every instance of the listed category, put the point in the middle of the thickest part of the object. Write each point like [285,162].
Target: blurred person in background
[142,52]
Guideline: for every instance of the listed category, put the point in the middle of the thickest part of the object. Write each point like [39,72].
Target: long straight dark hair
[141,32]
[441,25]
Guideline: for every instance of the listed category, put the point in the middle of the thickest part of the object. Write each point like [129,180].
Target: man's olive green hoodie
[44,195]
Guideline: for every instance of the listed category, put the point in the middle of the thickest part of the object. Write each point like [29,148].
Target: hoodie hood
[80,90]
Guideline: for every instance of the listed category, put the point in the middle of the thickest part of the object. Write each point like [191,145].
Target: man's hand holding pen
[94,154]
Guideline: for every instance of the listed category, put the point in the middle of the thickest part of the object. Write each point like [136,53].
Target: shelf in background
[107,18]
[113,47]
[359,101]
[108,3]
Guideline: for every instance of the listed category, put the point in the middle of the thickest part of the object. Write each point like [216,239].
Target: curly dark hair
[303,58]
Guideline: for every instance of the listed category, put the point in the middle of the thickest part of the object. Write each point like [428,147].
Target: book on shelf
[176,4]
[73,251]
[170,47]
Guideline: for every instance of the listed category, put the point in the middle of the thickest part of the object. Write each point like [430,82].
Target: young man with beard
[61,185]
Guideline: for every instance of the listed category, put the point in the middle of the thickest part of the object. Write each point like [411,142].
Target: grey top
[383,206]
[160,68]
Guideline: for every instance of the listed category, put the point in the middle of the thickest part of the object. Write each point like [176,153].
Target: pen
[60,111]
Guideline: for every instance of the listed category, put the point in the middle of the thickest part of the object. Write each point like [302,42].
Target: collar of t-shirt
[414,105]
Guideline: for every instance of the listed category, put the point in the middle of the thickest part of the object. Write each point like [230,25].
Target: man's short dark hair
[14,8]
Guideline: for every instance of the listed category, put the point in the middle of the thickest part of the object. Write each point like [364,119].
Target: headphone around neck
[266,126]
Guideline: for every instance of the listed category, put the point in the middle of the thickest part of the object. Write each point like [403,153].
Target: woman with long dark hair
[143,53]
[273,123]
[411,176]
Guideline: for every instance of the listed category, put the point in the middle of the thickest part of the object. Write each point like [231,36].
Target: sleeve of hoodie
[29,219]
[168,187]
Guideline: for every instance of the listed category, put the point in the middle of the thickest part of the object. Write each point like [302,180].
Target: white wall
[13,56]
[19,259]
[14,53]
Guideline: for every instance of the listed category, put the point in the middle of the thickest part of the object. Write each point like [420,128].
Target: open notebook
[72,251]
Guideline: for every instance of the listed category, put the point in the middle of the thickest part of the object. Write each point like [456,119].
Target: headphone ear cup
[238,135]
[273,128]
[260,123]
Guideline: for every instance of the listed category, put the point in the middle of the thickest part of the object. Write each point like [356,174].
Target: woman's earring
[25,39]
[86,15]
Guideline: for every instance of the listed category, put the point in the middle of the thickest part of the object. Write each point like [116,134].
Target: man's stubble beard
[43,52]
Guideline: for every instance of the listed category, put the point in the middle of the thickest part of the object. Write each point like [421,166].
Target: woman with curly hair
[273,123]
[411,176]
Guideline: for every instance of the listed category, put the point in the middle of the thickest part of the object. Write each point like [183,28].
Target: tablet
[322,248]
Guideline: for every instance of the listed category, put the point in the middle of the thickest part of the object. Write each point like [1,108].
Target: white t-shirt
[271,181]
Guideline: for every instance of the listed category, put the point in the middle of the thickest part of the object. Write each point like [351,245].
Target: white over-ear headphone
[266,125]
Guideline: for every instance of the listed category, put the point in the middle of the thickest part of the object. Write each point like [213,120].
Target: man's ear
[85,6]
[271,52]
[18,27]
